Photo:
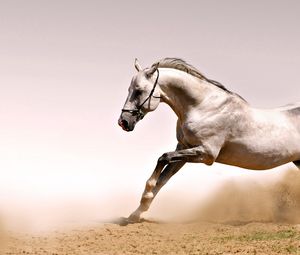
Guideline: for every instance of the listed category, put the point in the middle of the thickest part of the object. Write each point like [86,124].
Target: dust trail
[210,195]
[270,197]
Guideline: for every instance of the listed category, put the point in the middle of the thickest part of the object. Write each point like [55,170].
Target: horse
[214,124]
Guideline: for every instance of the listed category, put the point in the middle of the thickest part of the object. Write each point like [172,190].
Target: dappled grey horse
[214,124]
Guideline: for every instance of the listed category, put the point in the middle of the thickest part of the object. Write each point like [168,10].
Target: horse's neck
[182,91]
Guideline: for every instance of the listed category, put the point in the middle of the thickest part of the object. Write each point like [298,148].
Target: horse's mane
[181,65]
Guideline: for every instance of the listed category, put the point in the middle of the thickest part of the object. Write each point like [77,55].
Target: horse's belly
[259,156]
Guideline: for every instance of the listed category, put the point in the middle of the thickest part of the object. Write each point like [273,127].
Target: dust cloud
[246,196]
[265,197]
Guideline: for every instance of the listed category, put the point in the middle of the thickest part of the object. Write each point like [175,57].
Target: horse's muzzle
[126,125]
[123,124]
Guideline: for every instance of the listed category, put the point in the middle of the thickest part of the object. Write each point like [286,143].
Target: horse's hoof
[123,221]
[133,219]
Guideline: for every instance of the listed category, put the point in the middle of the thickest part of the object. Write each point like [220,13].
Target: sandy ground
[258,215]
[158,238]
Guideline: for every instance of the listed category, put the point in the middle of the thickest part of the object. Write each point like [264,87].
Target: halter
[138,111]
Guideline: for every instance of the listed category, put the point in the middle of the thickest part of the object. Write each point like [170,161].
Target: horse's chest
[192,133]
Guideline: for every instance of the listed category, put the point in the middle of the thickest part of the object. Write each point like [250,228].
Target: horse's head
[143,96]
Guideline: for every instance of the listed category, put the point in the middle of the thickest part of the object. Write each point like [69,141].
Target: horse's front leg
[199,154]
[147,196]
[153,185]
[174,161]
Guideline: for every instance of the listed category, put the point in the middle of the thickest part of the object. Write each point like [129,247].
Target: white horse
[214,124]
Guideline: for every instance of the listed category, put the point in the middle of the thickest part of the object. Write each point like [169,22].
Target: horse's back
[292,112]
[293,108]
[265,139]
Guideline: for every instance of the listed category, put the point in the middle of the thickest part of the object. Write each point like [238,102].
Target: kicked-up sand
[245,215]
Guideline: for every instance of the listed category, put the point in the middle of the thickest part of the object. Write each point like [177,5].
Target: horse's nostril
[123,124]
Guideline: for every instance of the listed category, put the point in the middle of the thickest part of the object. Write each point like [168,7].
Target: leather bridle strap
[138,111]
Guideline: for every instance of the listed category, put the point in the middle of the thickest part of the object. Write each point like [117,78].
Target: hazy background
[65,67]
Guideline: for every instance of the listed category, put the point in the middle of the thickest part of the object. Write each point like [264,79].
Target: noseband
[138,111]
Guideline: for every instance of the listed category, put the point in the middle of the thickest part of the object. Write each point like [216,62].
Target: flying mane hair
[182,65]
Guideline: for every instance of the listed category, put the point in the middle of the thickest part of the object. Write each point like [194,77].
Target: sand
[158,238]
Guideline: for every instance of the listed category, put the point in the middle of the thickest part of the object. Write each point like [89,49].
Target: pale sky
[65,67]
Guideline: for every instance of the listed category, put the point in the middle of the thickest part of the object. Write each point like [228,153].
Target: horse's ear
[137,65]
[152,69]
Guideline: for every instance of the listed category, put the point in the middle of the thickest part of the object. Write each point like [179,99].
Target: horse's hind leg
[297,163]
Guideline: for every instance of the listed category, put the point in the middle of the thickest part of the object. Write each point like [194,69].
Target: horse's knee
[209,160]
[207,155]
[150,184]
[164,159]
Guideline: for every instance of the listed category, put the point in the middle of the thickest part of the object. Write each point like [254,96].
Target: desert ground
[159,238]
[244,216]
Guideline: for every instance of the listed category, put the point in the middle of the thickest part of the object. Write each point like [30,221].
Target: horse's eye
[138,92]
